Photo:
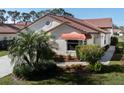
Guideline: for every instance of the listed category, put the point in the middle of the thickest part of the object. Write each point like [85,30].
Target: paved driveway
[5,67]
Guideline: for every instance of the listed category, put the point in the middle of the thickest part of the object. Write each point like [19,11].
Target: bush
[32,54]
[114,41]
[41,70]
[4,44]
[97,67]
[90,53]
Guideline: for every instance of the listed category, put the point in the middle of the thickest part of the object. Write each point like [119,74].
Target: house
[69,32]
[118,32]
[9,31]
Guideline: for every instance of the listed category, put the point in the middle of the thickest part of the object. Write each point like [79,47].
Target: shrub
[41,70]
[32,54]
[114,41]
[97,67]
[90,53]
[4,44]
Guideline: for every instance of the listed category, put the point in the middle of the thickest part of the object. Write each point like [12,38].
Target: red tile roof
[82,25]
[100,22]
[78,24]
[8,29]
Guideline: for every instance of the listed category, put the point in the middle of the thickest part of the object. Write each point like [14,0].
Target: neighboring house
[9,31]
[118,32]
[69,32]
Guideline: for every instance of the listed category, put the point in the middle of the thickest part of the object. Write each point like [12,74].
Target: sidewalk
[108,55]
[5,67]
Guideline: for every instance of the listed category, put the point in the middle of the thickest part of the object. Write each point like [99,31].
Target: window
[105,39]
[71,44]
[47,22]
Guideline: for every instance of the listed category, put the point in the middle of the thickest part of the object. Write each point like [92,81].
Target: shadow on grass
[118,54]
[112,68]
[81,76]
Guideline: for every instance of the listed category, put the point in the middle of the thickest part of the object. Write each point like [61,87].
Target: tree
[56,11]
[25,17]
[40,14]
[30,48]
[60,12]
[15,15]
[115,26]
[34,15]
[2,16]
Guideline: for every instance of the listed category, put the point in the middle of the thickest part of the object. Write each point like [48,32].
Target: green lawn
[115,75]
[3,53]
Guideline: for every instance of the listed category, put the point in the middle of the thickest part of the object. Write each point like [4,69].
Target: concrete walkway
[71,63]
[108,55]
[5,67]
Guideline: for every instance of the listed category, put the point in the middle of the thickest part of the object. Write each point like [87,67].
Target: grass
[3,53]
[115,76]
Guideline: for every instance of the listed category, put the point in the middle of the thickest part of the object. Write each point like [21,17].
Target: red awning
[74,36]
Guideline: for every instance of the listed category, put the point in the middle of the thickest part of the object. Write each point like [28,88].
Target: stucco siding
[62,44]
[62,30]
[41,24]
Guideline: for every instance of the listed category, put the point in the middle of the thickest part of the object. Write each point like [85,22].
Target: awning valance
[73,36]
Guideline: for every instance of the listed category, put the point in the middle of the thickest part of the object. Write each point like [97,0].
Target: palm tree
[31,48]
[2,16]
[15,15]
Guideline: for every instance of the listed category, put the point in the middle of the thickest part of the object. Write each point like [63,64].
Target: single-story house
[69,32]
[9,31]
[118,32]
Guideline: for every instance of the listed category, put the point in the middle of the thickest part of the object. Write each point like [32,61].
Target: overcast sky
[117,14]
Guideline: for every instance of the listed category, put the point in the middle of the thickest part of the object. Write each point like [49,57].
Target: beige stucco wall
[56,33]
[41,24]
[62,44]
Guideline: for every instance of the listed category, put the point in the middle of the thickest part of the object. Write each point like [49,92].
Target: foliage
[55,11]
[4,44]
[114,41]
[2,16]
[34,15]
[115,26]
[91,54]
[41,70]
[97,67]
[31,16]
[25,17]
[15,15]
[30,49]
